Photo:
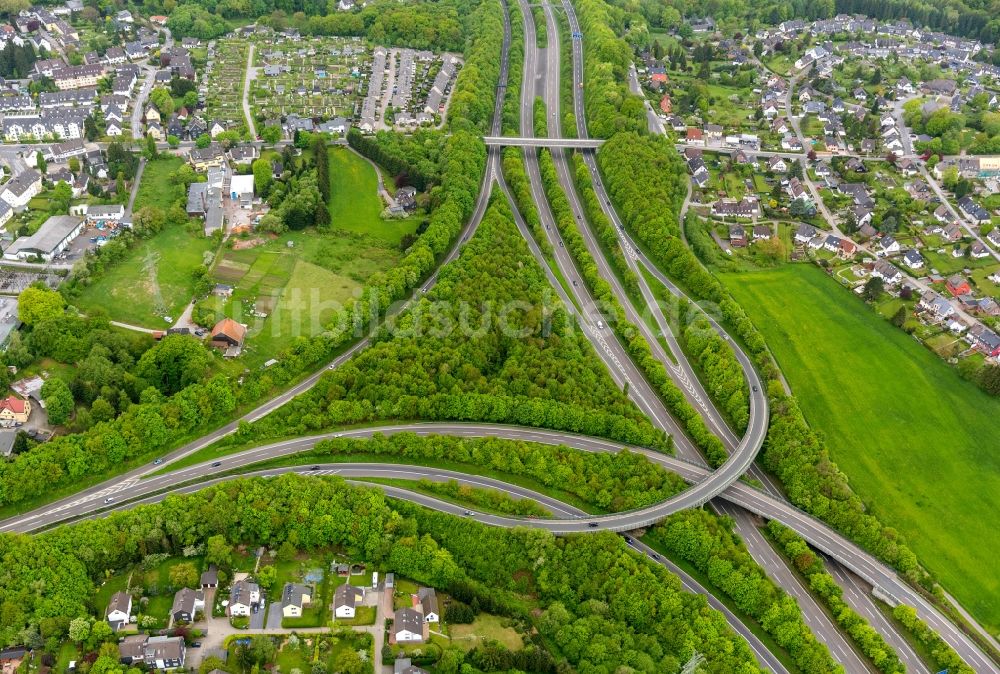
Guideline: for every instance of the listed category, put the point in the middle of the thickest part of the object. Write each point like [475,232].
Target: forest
[598,605]
[488,343]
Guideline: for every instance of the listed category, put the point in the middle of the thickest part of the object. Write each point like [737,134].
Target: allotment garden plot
[223,89]
[310,77]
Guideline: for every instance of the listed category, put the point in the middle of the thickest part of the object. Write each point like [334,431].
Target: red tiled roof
[12,403]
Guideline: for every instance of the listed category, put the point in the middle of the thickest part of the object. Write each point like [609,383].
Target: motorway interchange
[721,487]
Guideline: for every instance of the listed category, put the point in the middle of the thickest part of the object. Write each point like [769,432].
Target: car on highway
[600,325]
[109,499]
[216,464]
[628,539]
[593,525]
[468,513]
[314,468]
[158,462]
[754,387]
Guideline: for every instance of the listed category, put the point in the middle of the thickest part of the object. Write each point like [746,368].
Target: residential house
[429,604]
[695,136]
[936,305]
[957,285]
[847,248]
[977,251]
[762,233]
[985,339]
[244,595]
[713,133]
[888,273]
[913,259]
[20,189]
[215,128]
[346,599]
[229,335]
[187,603]
[952,232]
[294,596]
[862,215]
[112,213]
[160,653]
[243,153]
[119,610]
[888,245]
[777,164]
[973,210]
[942,214]
[203,158]
[747,207]
[866,231]
[408,626]
[155,131]
[406,198]
[804,233]
[737,236]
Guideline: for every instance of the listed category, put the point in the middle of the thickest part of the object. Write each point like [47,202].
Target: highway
[706,484]
[818,534]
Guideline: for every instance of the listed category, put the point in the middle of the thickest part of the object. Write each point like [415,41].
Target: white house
[408,626]
[294,598]
[119,609]
[242,597]
[346,599]
[429,604]
[20,189]
[913,259]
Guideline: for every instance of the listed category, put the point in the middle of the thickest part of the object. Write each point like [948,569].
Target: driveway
[273,617]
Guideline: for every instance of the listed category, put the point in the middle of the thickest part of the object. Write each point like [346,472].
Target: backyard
[913,437]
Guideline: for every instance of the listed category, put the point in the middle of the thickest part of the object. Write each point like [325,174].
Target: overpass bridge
[569,143]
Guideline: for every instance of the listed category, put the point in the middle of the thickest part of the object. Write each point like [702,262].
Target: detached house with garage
[429,604]
[243,596]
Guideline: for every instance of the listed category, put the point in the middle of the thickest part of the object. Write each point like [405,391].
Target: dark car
[314,468]
[592,525]
[656,557]
[216,464]
[628,539]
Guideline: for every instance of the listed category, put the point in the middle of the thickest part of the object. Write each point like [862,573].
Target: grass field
[484,627]
[153,282]
[917,442]
[155,279]
[354,202]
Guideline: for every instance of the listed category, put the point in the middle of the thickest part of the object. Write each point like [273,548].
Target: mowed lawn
[354,202]
[919,444]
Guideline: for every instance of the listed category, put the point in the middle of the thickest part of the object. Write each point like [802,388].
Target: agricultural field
[291,285]
[313,77]
[223,82]
[913,437]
